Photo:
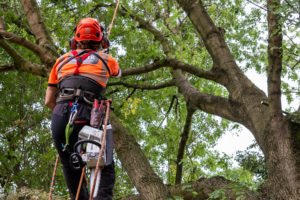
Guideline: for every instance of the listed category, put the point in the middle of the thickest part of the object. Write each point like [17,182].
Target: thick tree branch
[11,51]
[23,64]
[212,104]
[274,57]
[147,68]
[38,50]
[145,87]
[148,184]
[175,64]
[208,103]
[243,94]
[182,145]
[213,38]
[38,26]
[282,141]
[205,186]
[7,67]
[29,193]
[202,188]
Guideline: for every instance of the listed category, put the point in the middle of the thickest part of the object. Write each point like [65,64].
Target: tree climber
[79,77]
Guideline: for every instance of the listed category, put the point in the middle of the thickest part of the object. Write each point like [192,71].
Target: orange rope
[53,177]
[80,183]
[112,21]
[102,145]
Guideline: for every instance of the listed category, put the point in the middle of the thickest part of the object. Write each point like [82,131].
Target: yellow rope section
[112,21]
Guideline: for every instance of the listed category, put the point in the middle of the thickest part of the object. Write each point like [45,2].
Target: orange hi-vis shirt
[92,67]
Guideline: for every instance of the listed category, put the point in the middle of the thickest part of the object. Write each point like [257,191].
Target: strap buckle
[71,93]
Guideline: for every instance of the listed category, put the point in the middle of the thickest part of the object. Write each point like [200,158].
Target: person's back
[79,77]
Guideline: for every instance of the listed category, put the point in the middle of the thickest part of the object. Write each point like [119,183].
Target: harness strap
[84,52]
[71,93]
[69,59]
[79,60]
[103,61]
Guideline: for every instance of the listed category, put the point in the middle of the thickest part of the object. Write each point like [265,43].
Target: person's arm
[114,67]
[52,89]
[50,99]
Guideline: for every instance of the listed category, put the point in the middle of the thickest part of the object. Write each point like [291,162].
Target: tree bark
[182,145]
[38,26]
[148,184]
[267,124]
[31,194]
[202,188]
[280,155]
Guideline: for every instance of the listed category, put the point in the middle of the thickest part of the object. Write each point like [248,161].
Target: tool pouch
[98,113]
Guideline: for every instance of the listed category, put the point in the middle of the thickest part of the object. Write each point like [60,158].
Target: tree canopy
[183,85]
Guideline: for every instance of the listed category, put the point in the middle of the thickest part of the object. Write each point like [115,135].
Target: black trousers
[60,118]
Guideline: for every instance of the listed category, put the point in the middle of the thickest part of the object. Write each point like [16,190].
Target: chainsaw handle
[84,142]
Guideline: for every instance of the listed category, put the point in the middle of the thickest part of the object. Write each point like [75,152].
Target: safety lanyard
[70,126]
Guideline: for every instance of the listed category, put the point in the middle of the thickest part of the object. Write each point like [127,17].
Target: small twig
[291,6]
[130,95]
[294,66]
[170,107]
[257,5]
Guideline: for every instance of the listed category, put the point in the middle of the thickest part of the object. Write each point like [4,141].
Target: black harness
[81,87]
[75,86]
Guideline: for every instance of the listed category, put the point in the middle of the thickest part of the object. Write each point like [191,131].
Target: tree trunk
[272,131]
[148,184]
[281,155]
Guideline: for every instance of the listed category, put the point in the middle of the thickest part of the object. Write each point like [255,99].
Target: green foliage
[218,194]
[26,151]
[252,161]
[26,146]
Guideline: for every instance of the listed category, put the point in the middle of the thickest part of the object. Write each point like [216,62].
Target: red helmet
[88,29]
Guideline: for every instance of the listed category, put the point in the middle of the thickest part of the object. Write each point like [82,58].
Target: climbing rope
[102,146]
[112,21]
[53,178]
[80,183]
